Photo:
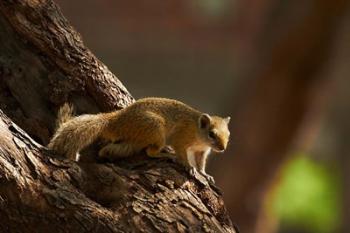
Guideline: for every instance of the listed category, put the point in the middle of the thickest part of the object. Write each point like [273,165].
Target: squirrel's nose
[221,147]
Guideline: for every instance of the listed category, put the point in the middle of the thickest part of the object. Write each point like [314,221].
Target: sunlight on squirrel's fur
[149,124]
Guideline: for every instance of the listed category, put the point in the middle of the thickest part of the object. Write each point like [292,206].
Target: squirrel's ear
[204,121]
[227,119]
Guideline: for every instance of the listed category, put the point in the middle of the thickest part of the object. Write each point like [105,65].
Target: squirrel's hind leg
[156,143]
[116,150]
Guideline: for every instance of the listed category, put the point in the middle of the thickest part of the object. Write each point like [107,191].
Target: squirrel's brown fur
[65,113]
[148,124]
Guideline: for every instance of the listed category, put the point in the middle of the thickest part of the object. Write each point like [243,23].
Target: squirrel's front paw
[208,177]
[193,171]
[198,174]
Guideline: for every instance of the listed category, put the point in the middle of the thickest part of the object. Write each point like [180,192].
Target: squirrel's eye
[212,135]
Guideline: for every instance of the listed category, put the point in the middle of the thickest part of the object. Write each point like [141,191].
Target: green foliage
[309,196]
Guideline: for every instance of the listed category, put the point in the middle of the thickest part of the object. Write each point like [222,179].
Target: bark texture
[41,193]
[44,63]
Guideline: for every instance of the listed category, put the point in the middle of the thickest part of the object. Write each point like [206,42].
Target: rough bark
[44,63]
[41,193]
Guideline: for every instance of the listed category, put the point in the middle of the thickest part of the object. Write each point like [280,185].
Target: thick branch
[40,193]
[44,63]
[42,24]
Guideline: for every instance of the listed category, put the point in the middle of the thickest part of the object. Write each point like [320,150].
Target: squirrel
[149,124]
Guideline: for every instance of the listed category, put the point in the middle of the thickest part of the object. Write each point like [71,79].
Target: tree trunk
[43,63]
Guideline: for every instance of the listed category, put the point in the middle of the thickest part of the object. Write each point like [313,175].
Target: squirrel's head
[214,131]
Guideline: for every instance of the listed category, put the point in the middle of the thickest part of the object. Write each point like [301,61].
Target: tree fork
[44,63]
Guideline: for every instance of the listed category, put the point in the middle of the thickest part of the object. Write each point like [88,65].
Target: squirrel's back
[168,108]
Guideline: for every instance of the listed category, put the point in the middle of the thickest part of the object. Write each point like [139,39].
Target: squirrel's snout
[219,147]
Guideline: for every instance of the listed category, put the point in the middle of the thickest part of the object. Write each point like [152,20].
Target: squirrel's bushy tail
[75,133]
[65,113]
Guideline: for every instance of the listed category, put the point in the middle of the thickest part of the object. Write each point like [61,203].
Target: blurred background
[278,68]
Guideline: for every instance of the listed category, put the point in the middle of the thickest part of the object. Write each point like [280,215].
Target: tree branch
[43,63]
[42,24]
[41,193]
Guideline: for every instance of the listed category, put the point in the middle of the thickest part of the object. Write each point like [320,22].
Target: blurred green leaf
[308,196]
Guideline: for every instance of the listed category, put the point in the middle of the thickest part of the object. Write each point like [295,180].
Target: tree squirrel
[149,124]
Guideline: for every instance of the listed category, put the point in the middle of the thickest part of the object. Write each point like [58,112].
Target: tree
[44,63]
